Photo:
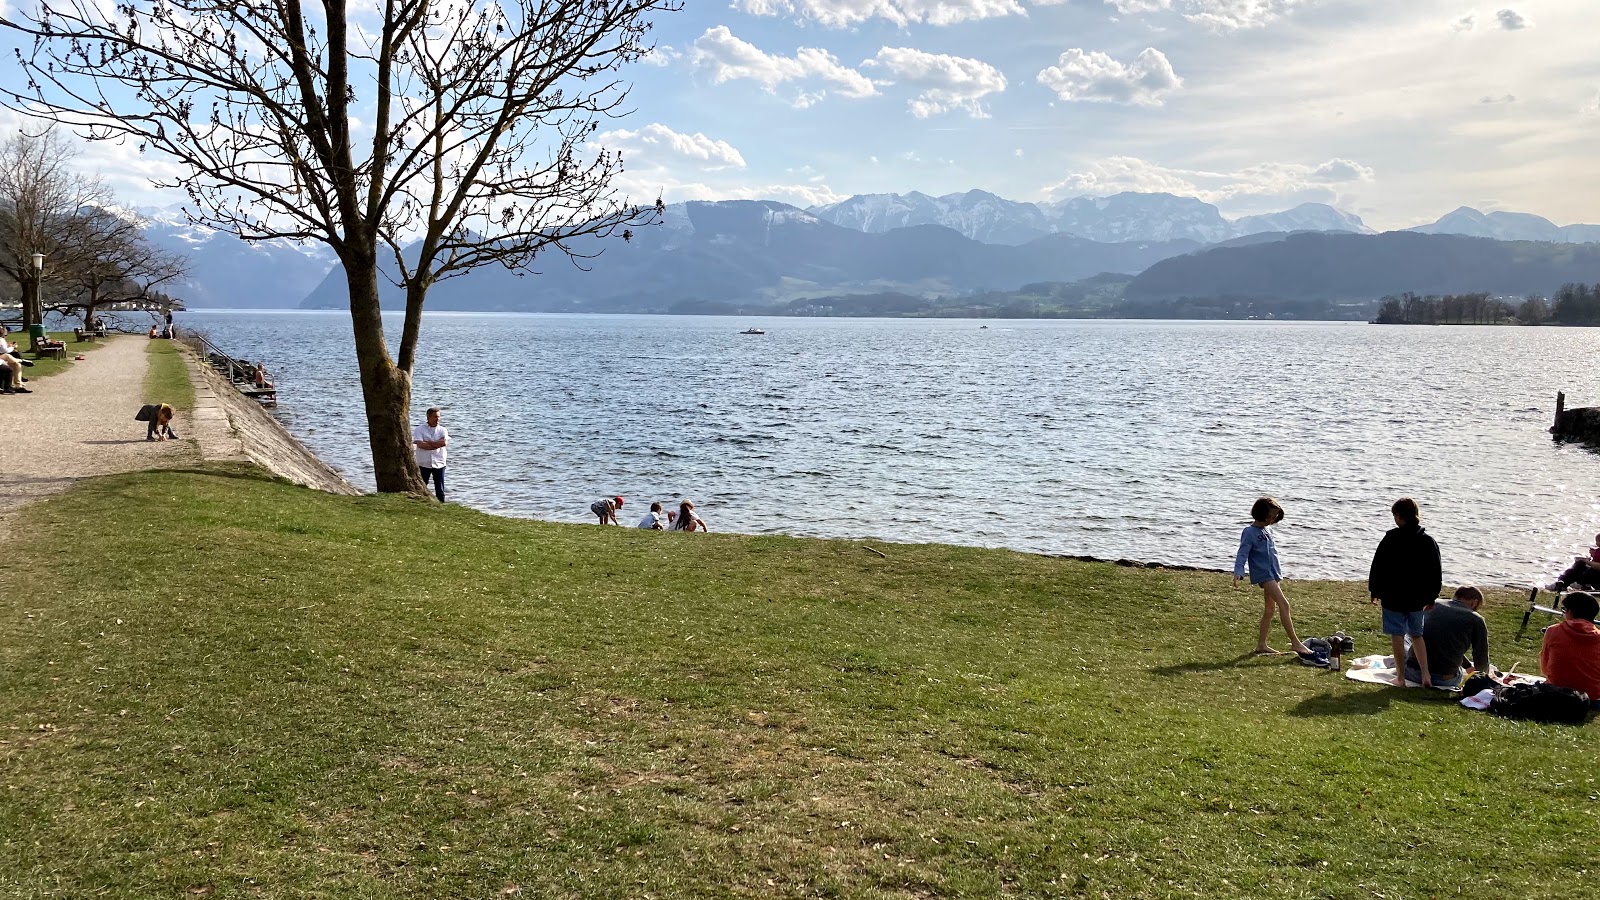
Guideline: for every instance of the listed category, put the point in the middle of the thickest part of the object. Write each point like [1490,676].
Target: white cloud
[1139,6]
[1511,20]
[1232,15]
[944,83]
[658,140]
[662,56]
[1465,23]
[1592,108]
[1498,98]
[845,13]
[1128,173]
[1096,77]
[802,195]
[728,58]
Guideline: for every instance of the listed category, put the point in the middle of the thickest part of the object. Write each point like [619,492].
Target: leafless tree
[110,261]
[42,199]
[443,134]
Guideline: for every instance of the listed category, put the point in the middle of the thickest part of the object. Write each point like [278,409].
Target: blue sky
[1399,110]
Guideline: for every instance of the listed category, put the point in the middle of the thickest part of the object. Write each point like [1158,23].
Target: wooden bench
[54,351]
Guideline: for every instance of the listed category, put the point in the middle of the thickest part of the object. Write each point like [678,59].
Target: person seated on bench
[13,362]
[1449,630]
[1570,656]
[1585,570]
[160,427]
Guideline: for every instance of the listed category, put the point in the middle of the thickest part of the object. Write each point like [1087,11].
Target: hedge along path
[78,424]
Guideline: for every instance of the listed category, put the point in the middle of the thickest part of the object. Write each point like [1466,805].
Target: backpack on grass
[1542,702]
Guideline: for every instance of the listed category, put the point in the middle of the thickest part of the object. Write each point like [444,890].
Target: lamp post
[32,310]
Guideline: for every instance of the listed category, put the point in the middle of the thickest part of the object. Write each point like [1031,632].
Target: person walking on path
[1260,554]
[431,441]
[1405,578]
[607,508]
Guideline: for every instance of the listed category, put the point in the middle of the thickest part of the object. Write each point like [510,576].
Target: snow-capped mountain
[1305,217]
[1509,226]
[1128,216]
[979,215]
[225,271]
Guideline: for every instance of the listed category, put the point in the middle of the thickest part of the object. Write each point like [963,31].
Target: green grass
[167,379]
[44,368]
[247,689]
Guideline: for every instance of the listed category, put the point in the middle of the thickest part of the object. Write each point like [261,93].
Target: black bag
[1542,702]
[1479,681]
[147,412]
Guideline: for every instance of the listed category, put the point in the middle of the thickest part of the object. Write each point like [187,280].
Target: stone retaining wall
[230,427]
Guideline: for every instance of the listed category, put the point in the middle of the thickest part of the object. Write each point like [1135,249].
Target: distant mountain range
[764,252]
[761,252]
[1362,267]
[1127,216]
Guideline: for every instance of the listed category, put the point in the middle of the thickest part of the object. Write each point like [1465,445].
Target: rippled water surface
[1146,440]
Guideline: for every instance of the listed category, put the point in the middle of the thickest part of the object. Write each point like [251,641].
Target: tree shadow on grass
[1367,702]
[1198,666]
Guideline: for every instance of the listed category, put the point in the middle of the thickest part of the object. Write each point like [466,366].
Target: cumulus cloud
[661,56]
[1511,20]
[1139,6]
[802,195]
[1096,77]
[659,141]
[727,58]
[1128,173]
[845,13]
[944,83]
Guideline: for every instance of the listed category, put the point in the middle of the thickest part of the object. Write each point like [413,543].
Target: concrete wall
[231,427]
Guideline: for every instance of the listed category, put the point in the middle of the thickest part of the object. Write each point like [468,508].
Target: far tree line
[65,246]
[1573,304]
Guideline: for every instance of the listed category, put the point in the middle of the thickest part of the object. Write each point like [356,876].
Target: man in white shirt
[431,440]
[13,363]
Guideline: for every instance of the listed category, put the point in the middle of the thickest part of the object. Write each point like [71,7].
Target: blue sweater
[1256,547]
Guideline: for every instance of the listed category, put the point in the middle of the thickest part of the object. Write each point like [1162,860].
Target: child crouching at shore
[1257,549]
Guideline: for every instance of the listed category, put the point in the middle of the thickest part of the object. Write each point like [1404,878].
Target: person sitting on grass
[653,520]
[1449,630]
[1406,577]
[1570,657]
[1585,570]
[160,427]
[686,519]
[606,508]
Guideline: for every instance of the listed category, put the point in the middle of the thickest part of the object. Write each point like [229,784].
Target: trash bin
[36,331]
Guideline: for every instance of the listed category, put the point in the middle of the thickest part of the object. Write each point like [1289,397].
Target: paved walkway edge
[230,427]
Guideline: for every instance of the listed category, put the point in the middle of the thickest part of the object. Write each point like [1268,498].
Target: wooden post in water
[1561,407]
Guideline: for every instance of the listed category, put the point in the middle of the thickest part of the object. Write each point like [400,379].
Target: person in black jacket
[1406,577]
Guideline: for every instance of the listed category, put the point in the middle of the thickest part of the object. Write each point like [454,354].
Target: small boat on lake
[752,331]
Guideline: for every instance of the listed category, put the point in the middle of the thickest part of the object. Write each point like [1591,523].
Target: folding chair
[1554,609]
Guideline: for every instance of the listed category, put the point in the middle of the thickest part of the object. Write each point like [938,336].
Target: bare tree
[42,199]
[110,261]
[443,134]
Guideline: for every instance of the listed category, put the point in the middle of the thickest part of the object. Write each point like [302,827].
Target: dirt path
[80,423]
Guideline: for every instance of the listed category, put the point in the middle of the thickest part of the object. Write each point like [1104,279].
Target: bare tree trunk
[385,387]
[32,312]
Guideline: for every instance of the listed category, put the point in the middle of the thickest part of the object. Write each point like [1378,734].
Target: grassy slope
[255,690]
[167,379]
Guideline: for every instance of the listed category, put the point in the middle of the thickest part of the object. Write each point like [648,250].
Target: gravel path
[80,423]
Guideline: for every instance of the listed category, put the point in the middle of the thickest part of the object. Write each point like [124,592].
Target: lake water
[1145,440]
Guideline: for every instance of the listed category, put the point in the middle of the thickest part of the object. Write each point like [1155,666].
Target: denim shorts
[1415,674]
[1396,624]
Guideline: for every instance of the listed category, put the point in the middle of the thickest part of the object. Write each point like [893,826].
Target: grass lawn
[240,688]
[44,368]
[167,379]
